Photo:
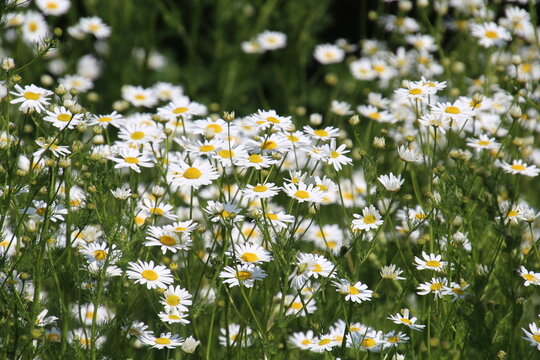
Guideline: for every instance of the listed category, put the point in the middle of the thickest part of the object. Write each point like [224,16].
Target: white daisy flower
[154,276]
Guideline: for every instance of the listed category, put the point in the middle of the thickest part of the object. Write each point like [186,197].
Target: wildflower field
[266,179]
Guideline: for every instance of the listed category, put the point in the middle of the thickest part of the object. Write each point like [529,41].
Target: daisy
[218,127]
[402,318]
[62,118]
[302,192]
[530,277]
[391,182]
[86,312]
[302,340]
[532,337]
[279,219]
[154,276]
[115,119]
[34,29]
[356,293]
[297,306]
[430,262]
[55,212]
[321,134]
[168,240]
[458,111]
[458,290]
[490,34]
[370,219]
[95,26]
[245,275]
[251,254]
[139,96]
[183,227]
[336,157]
[167,340]
[45,145]
[138,329]
[274,142]
[340,108]
[518,167]
[122,193]
[173,317]
[409,155]
[373,113]
[235,335]
[257,161]
[414,91]
[223,211]
[167,91]
[229,155]
[361,70]
[176,298]
[393,339]
[310,265]
[437,286]
[323,343]
[264,119]
[483,142]
[272,40]
[31,97]
[328,54]
[195,175]
[76,82]
[181,107]
[371,341]
[131,158]
[437,121]
[261,191]
[100,252]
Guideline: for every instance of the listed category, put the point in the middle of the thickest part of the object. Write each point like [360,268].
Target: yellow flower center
[33,27]
[64,117]
[31,95]
[321,133]
[491,34]
[172,300]
[249,257]
[100,255]
[140,97]
[131,160]
[243,275]
[174,317]
[518,167]
[215,127]
[452,110]
[105,119]
[260,188]
[137,135]
[89,314]
[353,290]
[322,187]
[302,194]
[273,120]
[306,342]
[323,341]
[52,337]
[297,306]
[334,154]
[272,216]
[375,115]
[180,110]
[156,211]
[420,216]
[529,277]
[433,263]
[269,145]
[192,173]
[415,91]
[226,154]
[293,138]
[207,148]
[406,321]
[436,286]
[369,343]
[316,268]
[255,158]
[150,275]
[536,338]
[512,213]
[483,142]
[369,219]
[167,240]
[163,341]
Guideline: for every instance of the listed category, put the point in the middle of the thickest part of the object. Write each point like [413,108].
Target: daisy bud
[372,15]
[331,79]
[8,63]
[209,133]
[458,67]
[515,112]
[301,111]
[60,90]
[516,59]
[46,80]
[405,5]
[315,119]
[120,105]
[189,345]
[422,3]
[158,191]
[50,162]
[379,142]
[354,120]
[477,98]
[15,79]
[92,96]
[201,229]
[64,163]
[228,116]
[98,140]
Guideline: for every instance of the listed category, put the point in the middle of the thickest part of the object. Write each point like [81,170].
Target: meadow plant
[222,181]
